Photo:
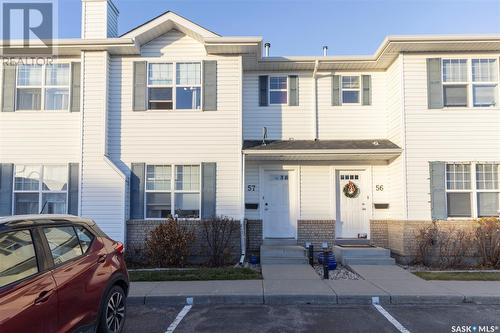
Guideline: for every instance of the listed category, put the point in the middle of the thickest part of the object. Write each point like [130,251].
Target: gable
[173,44]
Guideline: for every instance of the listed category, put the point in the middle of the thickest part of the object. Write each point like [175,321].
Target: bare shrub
[488,240]
[218,233]
[453,246]
[168,244]
[425,238]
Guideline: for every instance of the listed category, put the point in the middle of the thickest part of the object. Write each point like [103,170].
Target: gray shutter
[438,192]
[73,187]
[9,88]
[137,190]
[293,90]
[336,90]
[140,78]
[6,177]
[263,90]
[366,81]
[208,190]
[210,85]
[434,84]
[75,86]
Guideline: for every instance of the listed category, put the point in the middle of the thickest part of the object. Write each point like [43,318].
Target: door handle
[43,296]
[102,258]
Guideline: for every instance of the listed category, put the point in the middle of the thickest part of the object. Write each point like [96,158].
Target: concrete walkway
[300,284]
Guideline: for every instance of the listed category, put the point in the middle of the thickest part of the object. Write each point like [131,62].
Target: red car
[60,273]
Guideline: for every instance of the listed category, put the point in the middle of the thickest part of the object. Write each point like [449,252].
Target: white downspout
[315,100]
[242,213]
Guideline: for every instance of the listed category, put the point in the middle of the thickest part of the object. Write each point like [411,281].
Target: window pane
[55,178]
[188,98]
[350,97]
[17,257]
[85,237]
[277,82]
[29,75]
[187,205]
[158,177]
[56,99]
[487,204]
[455,95]
[63,243]
[158,205]
[459,204]
[455,70]
[26,203]
[484,70]
[350,82]
[278,97]
[160,74]
[54,203]
[188,74]
[160,98]
[187,177]
[26,177]
[487,176]
[29,99]
[458,177]
[485,95]
[57,75]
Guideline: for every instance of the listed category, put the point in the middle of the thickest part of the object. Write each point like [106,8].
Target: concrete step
[352,241]
[280,241]
[282,251]
[368,261]
[283,260]
[363,251]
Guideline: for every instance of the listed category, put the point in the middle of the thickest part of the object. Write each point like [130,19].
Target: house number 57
[251,188]
[379,188]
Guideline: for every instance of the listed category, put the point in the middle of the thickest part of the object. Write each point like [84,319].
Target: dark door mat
[355,245]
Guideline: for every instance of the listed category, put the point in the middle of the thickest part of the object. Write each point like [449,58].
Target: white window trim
[172,192]
[473,190]
[359,90]
[274,90]
[43,87]
[174,85]
[470,83]
[40,190]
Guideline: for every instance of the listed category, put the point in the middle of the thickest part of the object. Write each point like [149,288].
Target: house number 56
[379,188]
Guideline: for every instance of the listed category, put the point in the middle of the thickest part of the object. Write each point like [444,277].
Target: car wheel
[113,311]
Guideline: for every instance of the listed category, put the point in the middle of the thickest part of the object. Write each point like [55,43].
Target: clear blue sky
[300,27]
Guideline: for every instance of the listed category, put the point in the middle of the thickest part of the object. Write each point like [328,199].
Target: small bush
[218,234]
[425,238]
[488,241]
[168,245]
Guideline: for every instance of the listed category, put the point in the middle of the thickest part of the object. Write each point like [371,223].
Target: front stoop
[348,256]
[282,254]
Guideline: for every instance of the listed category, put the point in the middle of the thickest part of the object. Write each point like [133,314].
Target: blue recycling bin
[332,262]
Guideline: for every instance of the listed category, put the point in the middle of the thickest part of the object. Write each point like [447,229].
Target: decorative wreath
[351,190]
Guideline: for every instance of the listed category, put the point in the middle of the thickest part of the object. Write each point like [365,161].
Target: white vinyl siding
[174,44]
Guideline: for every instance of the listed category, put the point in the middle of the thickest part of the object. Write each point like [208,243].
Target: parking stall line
[388,316]
[179,318]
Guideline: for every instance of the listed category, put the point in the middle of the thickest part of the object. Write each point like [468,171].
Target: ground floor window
[472,189]
[172,190]
[40,189]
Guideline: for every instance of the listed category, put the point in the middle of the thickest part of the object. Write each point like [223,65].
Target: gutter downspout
[315,100]
[243,223]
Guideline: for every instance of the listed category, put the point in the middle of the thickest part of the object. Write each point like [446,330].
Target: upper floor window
[461,80]
[43,87]
[278,90]
[40,189]
[183,93]
[350,89]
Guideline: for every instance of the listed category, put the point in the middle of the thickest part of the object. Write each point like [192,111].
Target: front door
[278,204]
[353,203]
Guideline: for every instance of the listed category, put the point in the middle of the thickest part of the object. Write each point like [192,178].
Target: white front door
[353,203]
[278,204]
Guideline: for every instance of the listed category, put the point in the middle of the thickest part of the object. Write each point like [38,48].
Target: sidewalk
[300,284]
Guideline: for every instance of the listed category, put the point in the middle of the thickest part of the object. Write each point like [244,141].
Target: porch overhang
[321,150]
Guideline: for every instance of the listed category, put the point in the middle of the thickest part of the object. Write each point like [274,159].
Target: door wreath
[351,190]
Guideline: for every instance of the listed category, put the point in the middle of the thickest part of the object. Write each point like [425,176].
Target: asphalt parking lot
[312,318]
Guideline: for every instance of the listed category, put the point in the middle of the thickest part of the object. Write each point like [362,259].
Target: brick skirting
[316,232]
[138,231]
[254,236]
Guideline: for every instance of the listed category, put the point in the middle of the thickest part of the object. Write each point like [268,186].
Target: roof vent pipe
[325,51]
[267,46]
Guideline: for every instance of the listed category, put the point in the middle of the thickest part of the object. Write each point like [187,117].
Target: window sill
[174,111]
